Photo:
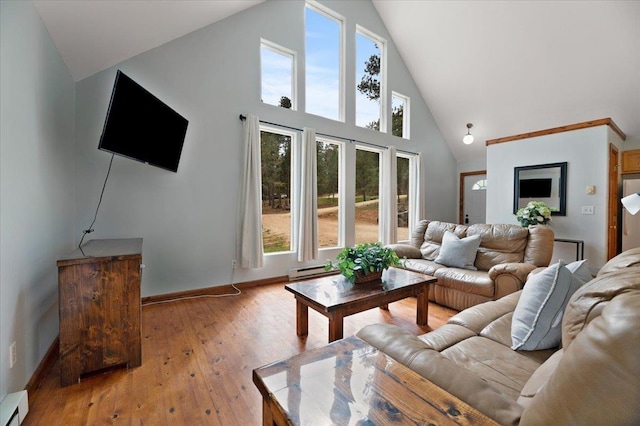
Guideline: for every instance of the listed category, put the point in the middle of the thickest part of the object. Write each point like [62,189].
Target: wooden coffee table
[336,298]
[351,382]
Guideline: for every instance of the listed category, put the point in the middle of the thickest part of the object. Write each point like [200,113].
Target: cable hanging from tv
[104,185]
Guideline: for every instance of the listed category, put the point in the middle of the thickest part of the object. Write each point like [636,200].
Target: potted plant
[534,213]
[364,262]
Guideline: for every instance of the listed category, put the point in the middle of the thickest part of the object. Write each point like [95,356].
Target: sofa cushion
[539,245]
[500,243]
[537,319]
[590,300]
[499,330]
[427,267]
[458,252]
[597,381]
[448,335]
[539,378]
[504,369]
[465,280]
[477,318]
[417,235]
[406,251]
[412,352]
[628,259]
[430,247]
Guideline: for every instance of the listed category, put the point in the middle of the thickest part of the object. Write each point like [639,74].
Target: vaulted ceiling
[508,67]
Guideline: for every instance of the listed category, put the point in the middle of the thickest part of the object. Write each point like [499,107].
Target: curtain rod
[244,117]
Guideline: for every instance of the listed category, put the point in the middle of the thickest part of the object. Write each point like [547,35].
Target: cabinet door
[631,161]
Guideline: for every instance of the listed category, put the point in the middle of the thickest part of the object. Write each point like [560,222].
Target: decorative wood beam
[593,123]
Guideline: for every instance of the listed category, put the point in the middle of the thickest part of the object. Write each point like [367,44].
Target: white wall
[586,152]
[473,165]
[211,76]
[36,187]
[631,143]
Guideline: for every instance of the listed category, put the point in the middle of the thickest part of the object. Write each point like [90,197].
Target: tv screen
[142,127]
[534,188]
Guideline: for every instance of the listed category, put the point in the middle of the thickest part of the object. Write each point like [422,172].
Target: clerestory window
[324,41]
[278,69]
[370,80]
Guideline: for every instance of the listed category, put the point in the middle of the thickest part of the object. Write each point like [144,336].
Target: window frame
[341,21]
[411,206]
[382,44]
[341,189]
[379,151]
[294,184]
[406,113]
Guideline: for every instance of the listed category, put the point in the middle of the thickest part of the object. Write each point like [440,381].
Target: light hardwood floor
[197,359]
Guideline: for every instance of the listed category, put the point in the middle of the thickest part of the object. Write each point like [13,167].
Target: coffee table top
[334,291]
[351,382]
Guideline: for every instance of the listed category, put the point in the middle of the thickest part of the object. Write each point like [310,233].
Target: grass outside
[277,225]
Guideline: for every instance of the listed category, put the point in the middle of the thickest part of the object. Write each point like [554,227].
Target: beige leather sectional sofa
[592,379]
[507,254]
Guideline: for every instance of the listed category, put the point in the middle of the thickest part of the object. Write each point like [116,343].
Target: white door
[475,199]
[630,223]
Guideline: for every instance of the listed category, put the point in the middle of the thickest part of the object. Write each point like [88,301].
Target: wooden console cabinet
[99,298]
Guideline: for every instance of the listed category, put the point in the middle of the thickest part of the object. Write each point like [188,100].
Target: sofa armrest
[519,270]
[509,277]
[406,250]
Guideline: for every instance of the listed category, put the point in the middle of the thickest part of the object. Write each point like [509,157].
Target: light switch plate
[587,209]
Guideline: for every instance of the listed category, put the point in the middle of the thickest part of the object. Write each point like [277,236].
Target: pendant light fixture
[468,138]
[632,203]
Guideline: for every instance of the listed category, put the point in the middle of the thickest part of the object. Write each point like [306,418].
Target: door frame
[613,202]
[461,188]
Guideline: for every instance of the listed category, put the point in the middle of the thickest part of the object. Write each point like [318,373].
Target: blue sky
[322,41]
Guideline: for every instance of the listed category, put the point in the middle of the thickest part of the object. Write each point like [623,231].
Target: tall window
[370,80]
[323,64]
[367,195]
[278,66]
[276,189]
[329,158]
[399,115]
[402,167]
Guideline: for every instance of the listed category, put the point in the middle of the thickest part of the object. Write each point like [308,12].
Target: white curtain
[307,222]
[389,197]
[416,198]
[249,233]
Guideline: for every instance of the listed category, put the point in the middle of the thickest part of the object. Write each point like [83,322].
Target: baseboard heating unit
[14,408]
[308,272]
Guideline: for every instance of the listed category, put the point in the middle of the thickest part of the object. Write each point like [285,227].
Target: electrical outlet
[587,209]
[233,264]
[13,356]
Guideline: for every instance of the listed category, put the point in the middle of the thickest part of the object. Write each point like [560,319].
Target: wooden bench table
[335,297]
[351,382]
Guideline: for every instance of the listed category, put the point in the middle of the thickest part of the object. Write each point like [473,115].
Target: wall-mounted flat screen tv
[142,127]
[535,188]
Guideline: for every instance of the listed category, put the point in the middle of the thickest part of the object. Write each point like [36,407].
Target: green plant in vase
[534,213]
[364,262]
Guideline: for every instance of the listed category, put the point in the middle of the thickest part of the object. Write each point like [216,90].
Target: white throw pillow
[580,270]
[537,319]
[459,253]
